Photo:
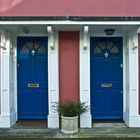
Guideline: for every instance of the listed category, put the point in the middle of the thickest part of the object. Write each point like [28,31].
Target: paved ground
[99,131]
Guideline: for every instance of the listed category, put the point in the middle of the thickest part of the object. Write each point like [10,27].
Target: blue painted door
[106,77]
[32,68]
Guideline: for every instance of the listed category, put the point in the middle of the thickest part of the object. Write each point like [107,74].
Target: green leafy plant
[71,108]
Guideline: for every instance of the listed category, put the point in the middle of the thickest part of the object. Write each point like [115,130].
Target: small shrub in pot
[70,111]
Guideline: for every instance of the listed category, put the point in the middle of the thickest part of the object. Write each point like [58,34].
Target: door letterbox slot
[106,85]
[33,85]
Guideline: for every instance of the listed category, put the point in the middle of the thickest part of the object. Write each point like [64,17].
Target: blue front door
[106,77]
[32,77]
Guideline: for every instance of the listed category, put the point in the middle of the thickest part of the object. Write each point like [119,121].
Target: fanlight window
[97,50]
[29,45]
[35,46]
[106,45]
[114,50]
[25,49]
[41,50]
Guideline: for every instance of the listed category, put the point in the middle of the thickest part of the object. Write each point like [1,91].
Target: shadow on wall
[8,4]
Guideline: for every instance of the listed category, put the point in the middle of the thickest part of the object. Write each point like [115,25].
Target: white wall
[13,77]
[8,89]
[85,119]
[53,75]
[132,102]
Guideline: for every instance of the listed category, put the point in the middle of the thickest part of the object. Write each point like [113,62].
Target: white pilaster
[125,70]
[125,78]
[132,116]
[85,119]
[5,83]
[53,91]
[13,77]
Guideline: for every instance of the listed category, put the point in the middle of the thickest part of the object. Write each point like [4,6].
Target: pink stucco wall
[69,66]
[139,68]
[70,7]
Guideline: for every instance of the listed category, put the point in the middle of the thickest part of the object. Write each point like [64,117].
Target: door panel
[26,66]
[32,78]
[41,70]
[106,78]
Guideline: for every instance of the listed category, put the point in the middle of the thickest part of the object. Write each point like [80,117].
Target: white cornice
[70,22]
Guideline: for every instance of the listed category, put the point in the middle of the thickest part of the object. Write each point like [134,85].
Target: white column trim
[15,75]
[53,82]
[5,84]
[125,67]
[85,119]
[133,117]
[138,30]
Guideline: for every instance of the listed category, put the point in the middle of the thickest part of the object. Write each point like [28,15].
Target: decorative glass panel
[109,45]
[30,45]
[97,50]
[37,44]
[24,50]
[33,47]
[102,45]
[41,50]
[106,46]
[114,50]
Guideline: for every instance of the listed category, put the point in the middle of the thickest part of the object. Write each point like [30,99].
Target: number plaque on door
[33,85]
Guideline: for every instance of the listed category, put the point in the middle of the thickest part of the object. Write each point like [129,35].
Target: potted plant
[70,112]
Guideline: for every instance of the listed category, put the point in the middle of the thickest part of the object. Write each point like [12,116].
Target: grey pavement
[99,130]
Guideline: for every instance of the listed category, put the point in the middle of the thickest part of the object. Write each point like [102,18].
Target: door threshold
[108,124]
[35,124]
[107,121]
